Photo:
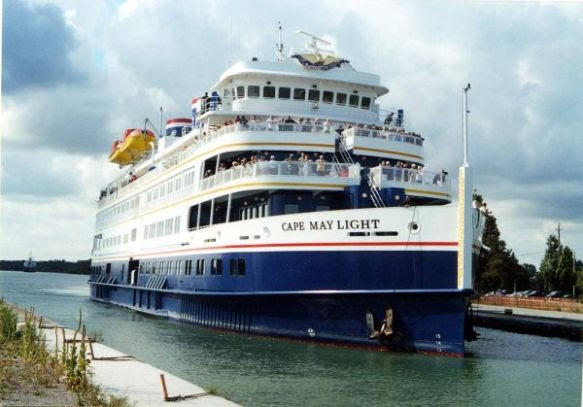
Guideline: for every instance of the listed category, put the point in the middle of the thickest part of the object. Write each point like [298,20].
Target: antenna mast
[279,45]
[313,45]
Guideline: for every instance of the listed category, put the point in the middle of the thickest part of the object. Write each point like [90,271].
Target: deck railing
[296,169]
[382,175]
[390,134]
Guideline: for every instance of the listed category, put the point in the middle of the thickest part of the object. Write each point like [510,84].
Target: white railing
[283,169]
[390,134]
[382,175]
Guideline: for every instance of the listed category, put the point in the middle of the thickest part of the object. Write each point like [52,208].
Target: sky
[75,74]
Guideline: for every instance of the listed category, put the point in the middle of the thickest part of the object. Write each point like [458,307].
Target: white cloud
[522,60]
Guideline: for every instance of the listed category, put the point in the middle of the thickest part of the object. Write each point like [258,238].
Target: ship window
[216,267]
[240,92]
[168,227]
[253,91]
[237,267]
[160,228]
[284,93]
[327,96]
[365,103]
[314,95]
[192,216]
[299,94]
[269,91]
[353,101]
[241,267]
[200,267]
[341,99]
[291,208]
[134,235]
[205,213]
[188,267]
[320,208]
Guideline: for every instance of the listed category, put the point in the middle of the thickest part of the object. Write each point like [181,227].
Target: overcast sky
[76,73]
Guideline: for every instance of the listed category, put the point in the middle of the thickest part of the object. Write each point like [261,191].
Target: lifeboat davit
[135,143]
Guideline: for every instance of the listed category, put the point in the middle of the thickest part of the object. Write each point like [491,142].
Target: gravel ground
[21,392]
[24,386]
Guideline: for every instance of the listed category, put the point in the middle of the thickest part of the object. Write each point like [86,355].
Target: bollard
[164,387]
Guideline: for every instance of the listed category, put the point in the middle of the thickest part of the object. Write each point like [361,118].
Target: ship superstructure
[287,205]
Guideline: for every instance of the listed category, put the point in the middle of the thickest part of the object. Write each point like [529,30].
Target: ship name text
[344,224]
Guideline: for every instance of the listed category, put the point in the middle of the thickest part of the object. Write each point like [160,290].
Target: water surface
[502,369]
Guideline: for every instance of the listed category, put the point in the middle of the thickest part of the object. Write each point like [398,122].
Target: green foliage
[50,266]
[498,267]
[556,268]
[8,322]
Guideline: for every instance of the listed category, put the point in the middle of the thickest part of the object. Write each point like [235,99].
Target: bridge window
[327,96]
[269,92]
[353,101]
[365,103]
[284,93]
[253,91]
[299,94]
[314,95]
[240,92]
[341,99]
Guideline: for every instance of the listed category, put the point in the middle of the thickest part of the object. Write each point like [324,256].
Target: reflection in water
[502,368]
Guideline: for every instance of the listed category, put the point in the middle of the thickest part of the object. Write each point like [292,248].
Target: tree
[556,268]
[497,267]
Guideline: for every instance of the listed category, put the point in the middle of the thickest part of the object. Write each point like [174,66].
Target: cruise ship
[288,204]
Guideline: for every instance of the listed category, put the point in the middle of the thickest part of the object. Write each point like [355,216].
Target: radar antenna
[313,45]
[279,45]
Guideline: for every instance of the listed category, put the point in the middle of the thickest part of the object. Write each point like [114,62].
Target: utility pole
[559,233]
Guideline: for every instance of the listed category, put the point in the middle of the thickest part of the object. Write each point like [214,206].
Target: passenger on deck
[321,166]
[272,165]
[205,102]
[269,123]
[289,120]
[327,126]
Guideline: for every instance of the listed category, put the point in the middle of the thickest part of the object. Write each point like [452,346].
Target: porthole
[414,227]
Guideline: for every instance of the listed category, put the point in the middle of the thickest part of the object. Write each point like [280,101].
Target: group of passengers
[273,123]
[402,171]
[266,163]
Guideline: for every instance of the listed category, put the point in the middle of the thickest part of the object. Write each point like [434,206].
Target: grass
[26,361]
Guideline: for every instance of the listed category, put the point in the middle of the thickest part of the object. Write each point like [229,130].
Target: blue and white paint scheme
[292,208]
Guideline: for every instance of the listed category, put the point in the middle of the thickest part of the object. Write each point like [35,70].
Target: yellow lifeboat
[135,143]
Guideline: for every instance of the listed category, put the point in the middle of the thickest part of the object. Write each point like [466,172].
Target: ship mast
[465,226]
[279,45]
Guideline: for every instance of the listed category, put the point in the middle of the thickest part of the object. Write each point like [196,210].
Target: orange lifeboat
[135,144]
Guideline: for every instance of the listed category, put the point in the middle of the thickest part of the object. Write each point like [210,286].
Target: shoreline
[121,375]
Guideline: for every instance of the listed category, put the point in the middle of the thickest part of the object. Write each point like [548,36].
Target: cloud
[36,47]
[114,63]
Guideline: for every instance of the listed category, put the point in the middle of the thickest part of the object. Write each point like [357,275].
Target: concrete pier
[122,375]
[558,324]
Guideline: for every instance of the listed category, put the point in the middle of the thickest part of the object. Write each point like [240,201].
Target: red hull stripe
[309,244]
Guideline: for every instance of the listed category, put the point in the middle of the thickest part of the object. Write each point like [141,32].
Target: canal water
[502,369]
